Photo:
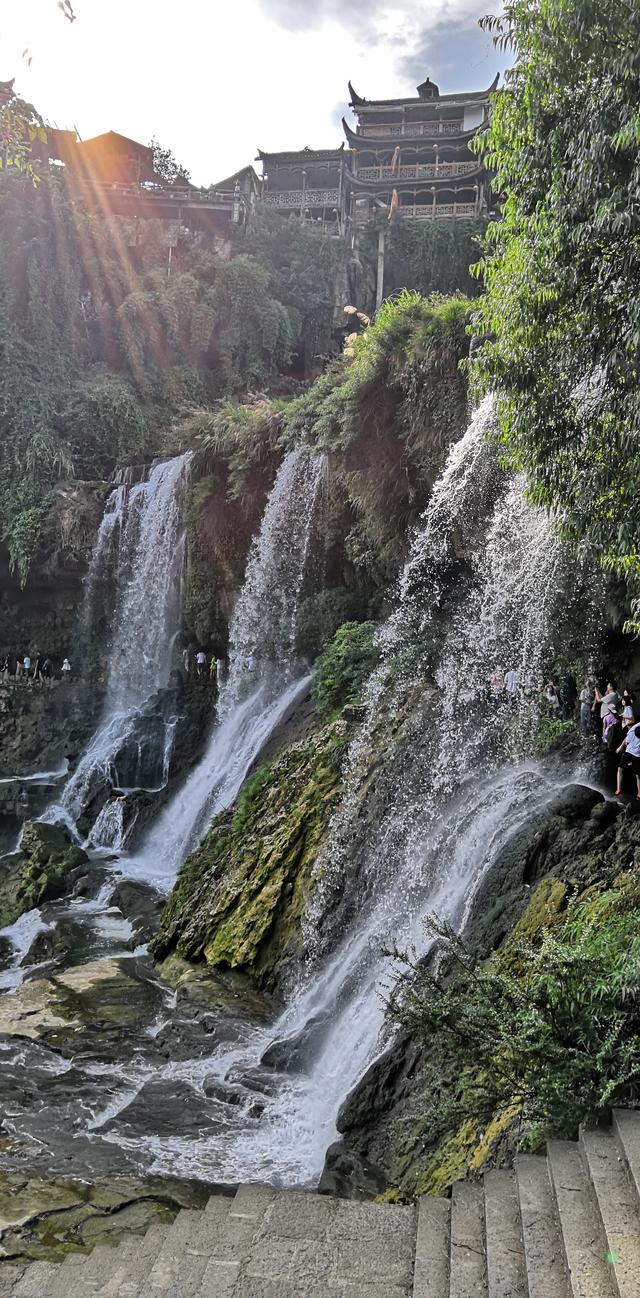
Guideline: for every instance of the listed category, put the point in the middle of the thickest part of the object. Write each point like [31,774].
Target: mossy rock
[39,871]
[240,897]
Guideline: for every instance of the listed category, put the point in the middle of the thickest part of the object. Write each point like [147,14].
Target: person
[26,665]
[47,672]
[497,681]
[586,698]
[629,754]
[512,683]
[568,695]
[629,702]
[201,662]
[550,692]
[610,696]
[611,723]
[66,670]
[213,669]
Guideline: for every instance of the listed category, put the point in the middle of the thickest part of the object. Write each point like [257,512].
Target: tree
[167,167]
[561,313]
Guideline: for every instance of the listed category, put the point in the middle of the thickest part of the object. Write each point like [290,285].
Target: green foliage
[387,410]
[103,422]
[302,264]
[167,167]
[320,615]
[551,1032]
[561,313]
[432,256]
[345,665]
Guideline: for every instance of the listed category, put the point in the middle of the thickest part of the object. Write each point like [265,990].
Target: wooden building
[309,182]
[414,154]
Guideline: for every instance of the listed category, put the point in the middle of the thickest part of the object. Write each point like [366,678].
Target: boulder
[39,871]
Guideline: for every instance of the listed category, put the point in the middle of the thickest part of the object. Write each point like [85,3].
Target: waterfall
[265,679]
[140,549]
[487,582]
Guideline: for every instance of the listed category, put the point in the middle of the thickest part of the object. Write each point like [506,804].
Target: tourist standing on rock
[201,663]
[66,670]
[611,723]
[586,699]
[550,693]
[26,665]
[629,754]
[568,695]
[512,684]
[497,682]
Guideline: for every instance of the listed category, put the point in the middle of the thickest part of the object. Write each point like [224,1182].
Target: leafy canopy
[561,313]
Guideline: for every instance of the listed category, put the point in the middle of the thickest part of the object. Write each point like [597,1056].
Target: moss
[450,1161]
[543,911]
[240,897]
[39,873]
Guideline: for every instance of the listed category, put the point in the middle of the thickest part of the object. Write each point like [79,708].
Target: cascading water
[141,539]
[487,582]
[265,678]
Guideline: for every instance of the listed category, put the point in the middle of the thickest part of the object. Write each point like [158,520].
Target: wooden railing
[424,212]
[411,129]
[303,198]
[418,171]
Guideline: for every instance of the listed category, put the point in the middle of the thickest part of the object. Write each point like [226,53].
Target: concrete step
[9,1276]
[229,1248]
[506,1266]
[584,1242]
[306,1244]
[131,1268]
[36,1281]
[179,1266]
[626,1126]
[546,1267]
[433,1243]
[618,1204]
[468,1264]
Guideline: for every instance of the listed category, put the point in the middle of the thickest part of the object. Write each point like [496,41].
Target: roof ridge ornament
[428,89]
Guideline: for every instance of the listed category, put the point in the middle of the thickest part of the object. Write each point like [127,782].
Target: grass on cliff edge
[546,1032]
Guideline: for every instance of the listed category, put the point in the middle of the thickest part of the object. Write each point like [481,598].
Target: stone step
[546,1268]
[626,1125]
[584,1243]
[229,1249]
[468,1267]
[179,1266]
[506,1266]
[619,1207]
[131,1269]
[9,1276]
[433,1243]
[36,1281]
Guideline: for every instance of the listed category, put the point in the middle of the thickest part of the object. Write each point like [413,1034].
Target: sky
[214,80]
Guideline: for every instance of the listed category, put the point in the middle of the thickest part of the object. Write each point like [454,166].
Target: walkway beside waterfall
[562,1226]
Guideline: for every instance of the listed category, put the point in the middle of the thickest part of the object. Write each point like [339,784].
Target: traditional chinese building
[414,155]
[310,182]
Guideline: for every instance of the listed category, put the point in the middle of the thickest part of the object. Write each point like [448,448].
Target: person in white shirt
[512,683]
[66,670]
[201,662]
[629,755]
[26,664]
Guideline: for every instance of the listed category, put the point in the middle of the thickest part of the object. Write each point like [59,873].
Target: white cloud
[214,80]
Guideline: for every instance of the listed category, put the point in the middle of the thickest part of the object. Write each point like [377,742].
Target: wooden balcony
[301,198]
[426,212]
[418,171]
[411,130]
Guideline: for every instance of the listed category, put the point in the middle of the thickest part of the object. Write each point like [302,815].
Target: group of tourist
[609,715]
[195,665]
[25,669]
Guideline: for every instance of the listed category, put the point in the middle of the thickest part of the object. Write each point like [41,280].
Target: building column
[380,272]
[304,190]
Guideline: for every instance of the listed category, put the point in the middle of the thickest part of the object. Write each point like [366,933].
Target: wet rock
[48,1218]
[141,905]
[40,871]
[348,1176]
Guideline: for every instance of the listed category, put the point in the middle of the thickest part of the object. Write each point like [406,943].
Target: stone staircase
[562,1226]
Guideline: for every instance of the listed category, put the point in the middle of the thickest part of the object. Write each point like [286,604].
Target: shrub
[345,665]
[551,1032]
